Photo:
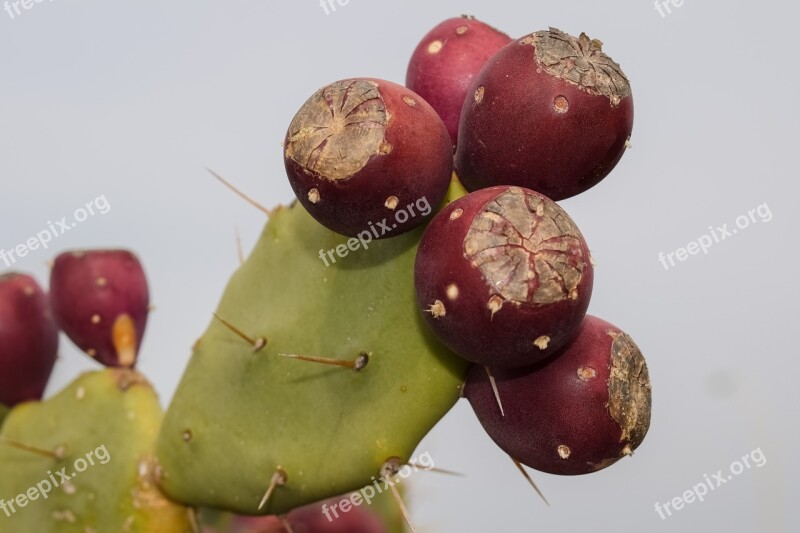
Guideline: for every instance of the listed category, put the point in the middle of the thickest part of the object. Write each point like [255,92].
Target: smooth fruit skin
[503,276]
[446,61]
[361,151]
[28,339]
[525,125]
[101,300]
[578,412]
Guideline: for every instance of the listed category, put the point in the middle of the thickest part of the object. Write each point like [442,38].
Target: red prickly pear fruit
[576,413]
[446,61]
[312,519]
[550,112]
[251,524]
[28,339]
[365,151]
[503,276]
[101,301]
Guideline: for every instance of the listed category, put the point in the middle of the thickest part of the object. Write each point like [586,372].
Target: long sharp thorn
[258,343]
[403,510]
[530,480]
[357,364]
[193,520]
[390,468]
[286,525]
[435,470]
[240,193]
[278,480]
[58,454]
[239,250]
[494,388]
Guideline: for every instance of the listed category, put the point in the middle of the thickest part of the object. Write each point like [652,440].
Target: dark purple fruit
[101,301]
[446,61]
[549,112]
[503,276]
[367,151]
[578,412]
[28,339]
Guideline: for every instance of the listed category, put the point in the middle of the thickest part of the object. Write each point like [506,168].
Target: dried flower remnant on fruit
[527,250]
[542,342]
[494,304]
[580,61]
[561,104]
[586,373]
[629,395]
[339,129]
[437,309]
[564,452]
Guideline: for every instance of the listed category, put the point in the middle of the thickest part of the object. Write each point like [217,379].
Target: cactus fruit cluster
[424,260]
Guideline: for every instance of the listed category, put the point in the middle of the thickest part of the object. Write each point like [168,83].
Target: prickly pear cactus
[102,429]
[243,413]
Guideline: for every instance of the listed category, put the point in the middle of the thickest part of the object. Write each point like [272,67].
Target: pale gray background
[132,101]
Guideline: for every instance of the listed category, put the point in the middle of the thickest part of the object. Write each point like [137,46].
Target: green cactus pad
[102,428]
[239,414]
